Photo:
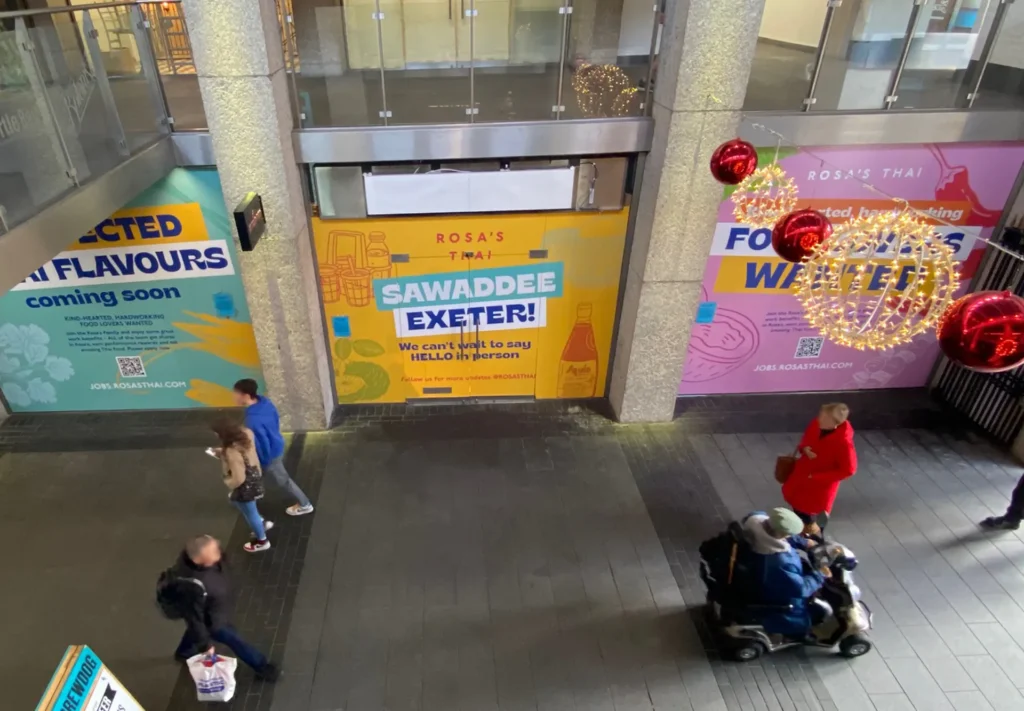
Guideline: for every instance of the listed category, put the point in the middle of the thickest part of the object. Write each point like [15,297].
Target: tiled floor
[529,557]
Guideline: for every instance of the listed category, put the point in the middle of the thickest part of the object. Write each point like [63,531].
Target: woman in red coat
[825,456]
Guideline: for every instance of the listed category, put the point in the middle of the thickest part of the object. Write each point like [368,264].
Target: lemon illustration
[343,348]
[362,381]
[349,387]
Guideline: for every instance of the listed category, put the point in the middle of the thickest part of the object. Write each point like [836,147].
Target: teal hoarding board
[145,312]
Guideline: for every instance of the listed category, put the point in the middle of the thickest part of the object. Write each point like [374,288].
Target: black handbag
[252,488]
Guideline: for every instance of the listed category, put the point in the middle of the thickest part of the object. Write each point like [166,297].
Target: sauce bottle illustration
[378,256]
[577,371]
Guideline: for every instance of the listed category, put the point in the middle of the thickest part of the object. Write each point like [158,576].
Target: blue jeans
[228,636]
[276,472]
[252,516]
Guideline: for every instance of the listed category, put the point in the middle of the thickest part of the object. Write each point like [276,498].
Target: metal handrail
[11,14]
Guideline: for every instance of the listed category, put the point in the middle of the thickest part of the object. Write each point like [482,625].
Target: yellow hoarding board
[471,306]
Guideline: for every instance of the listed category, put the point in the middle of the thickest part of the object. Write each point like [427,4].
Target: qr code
[809,347]
[131,367]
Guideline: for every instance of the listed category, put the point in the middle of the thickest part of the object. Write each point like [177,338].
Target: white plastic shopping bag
[214,676]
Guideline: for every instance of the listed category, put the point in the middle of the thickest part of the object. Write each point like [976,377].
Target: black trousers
[1015,511]
[809,519]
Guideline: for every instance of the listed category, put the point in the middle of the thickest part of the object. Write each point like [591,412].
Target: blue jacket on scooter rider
[775,573]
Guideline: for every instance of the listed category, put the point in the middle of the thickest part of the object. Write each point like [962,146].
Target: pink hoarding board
[750,335]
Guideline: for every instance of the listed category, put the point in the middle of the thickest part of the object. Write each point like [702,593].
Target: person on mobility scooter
[765,596]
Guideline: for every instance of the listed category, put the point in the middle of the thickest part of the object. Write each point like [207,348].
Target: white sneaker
[256,546]
[267,525]
[296,510]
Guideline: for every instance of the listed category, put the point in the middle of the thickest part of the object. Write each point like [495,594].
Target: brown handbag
[784,467]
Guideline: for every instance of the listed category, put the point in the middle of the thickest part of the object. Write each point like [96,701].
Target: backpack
[719,555]
[174,593]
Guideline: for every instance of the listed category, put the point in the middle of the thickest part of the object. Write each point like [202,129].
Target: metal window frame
[819,55]
[988,48]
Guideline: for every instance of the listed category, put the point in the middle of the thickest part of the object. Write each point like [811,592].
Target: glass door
[490,31]
[435,337]
[505,324]
[430,28]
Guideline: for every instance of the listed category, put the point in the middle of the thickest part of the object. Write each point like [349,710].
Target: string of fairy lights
[901,203]
[878,281]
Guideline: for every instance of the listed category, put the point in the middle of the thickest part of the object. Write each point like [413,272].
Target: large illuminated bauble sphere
[798,234]
[984,331]
[598,87]
[733,161]
[764,197]
[878,282]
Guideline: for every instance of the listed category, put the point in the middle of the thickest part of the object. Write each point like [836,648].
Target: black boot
[269,672]
[1001,523]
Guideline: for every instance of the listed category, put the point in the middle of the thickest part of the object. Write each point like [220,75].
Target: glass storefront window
[610,58]
[172,50]
[787,43]
[861,55]
[456,61]
[877,55]
[333,54]
[941,69]
[1002,83]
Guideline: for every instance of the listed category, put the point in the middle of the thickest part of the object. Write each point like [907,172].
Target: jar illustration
[577,370]
[356,285]
[378,256]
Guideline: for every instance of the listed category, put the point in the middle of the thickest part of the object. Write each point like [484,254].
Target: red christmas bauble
[984,331]
[733,161]
[795,236]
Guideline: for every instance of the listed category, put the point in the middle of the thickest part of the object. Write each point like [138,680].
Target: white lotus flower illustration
[60,369]
[41,391]
[27,368]
[30,341]
[8,365]
[8,335]
[16,395]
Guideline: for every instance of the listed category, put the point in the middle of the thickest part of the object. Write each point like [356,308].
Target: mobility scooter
[733,614]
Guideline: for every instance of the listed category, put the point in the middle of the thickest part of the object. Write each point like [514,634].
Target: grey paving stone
[1000,692]
[1004,649]
[891,702]
[969,701]
[918,684]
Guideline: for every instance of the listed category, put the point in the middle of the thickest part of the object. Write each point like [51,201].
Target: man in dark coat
[202,594]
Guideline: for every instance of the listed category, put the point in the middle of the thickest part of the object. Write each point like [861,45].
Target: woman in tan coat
[241,471]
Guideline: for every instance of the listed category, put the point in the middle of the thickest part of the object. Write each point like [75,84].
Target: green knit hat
[785,521]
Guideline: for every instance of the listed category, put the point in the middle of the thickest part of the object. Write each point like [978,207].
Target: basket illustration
[352,261]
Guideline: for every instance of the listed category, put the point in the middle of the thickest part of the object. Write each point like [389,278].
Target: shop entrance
[471,306]
[486,346]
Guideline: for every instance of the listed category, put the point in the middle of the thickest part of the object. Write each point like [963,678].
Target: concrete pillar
[707,50]
[240,64]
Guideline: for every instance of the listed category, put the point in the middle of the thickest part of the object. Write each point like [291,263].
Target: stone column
[706,55]
[240,64]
